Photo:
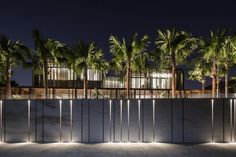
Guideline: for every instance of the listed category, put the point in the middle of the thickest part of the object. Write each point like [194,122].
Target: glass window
[155,83]
[138,82]
[113,82]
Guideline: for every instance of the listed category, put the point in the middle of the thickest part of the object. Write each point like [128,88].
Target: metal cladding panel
[117,120]
[38,119]
[66,121]
[227,121]
[51,120]
[16,120]
[108,119]
[89,121]
[96,121]
[77,121]
[125,123]
[198,120]
[1,121]
[134,121]
[85,108]
[163,120]
[32,121]
[147,121]
[178,120]
[218,131]
[234,120]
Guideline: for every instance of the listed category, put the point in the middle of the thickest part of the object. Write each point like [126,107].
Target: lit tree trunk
[214,79]
[217,86]
[173,75]
[8,79]
[45,79]
[226,84]
[128,81]
[203,86]
[85,84]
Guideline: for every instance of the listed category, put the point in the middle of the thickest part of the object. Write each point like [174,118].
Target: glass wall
[61,76]
[113,82]
[153,80]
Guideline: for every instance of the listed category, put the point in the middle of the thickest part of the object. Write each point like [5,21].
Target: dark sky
[95,20]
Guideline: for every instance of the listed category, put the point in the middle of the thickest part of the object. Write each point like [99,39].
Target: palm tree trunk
[217,86]
[128,81]
[226,84]
[214,80]
[173,75]
[45,79]
[203,86]
[8,82]
[85,84]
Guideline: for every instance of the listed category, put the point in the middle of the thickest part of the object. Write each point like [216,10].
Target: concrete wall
[91,121]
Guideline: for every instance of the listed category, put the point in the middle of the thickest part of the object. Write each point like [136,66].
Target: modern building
[64,83]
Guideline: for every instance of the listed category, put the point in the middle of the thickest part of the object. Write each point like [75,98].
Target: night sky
[95,20]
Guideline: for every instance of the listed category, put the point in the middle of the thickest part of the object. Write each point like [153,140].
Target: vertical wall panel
[33,124]
[163,125]
[16,120]
[133,121]
[66,123]
[218,120]
[198,120]
[178,120]
[226,119]
[51,120]
[108,109]
[96,120]
[1,121]
[147,116]
[125,121]
[117,120]
[77,121]
[38,119]
[85,104]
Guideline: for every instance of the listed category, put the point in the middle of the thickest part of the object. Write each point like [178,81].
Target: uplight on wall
[121,120]
[60,108]
[110,106]
[29,122]
[1,116]
[128,103]
[212,120]
[71,120]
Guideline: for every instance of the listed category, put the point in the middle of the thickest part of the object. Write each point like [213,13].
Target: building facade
[64,83]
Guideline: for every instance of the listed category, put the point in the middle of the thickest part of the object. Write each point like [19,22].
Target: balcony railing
[62,93]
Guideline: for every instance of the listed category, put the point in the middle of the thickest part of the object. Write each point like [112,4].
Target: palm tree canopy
[86,56]
[213,48]
[46,49]
[135,53]
[12,53]
[178,42]
[199,70]
[228,53]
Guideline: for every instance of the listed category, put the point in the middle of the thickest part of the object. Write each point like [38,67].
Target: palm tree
[199,72]
[228,58]
[45,50]
[85,56]
[128,56]
[174,47]
[212,51]
[12,54]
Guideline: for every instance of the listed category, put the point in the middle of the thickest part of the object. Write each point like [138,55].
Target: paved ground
[117,150]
